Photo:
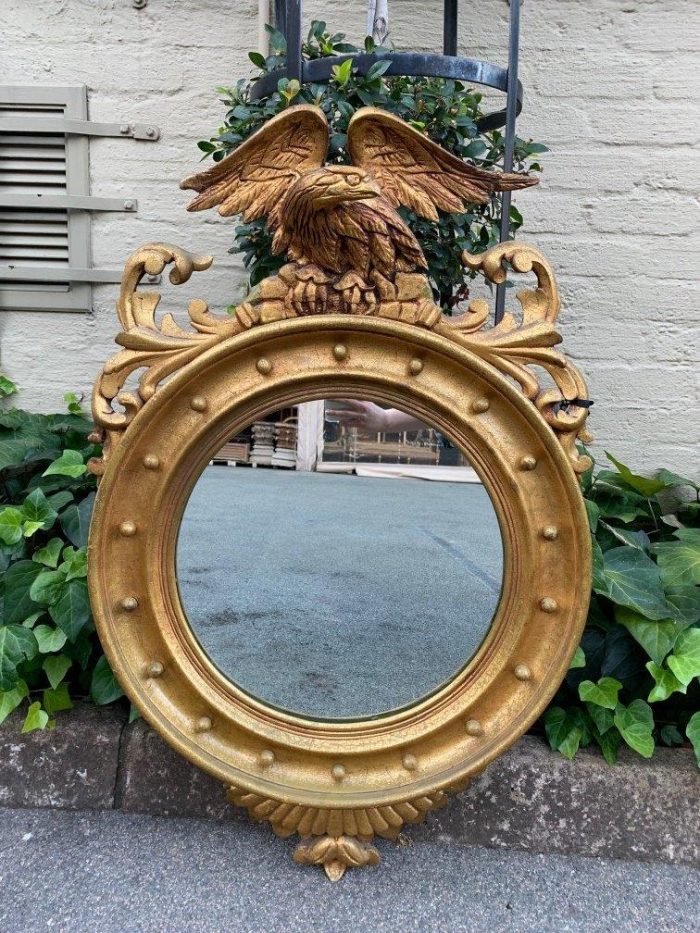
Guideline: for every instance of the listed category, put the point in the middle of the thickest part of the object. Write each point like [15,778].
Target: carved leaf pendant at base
[335,838]
[336,854]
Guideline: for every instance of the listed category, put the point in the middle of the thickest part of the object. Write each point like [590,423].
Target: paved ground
[112,872]
[338,595]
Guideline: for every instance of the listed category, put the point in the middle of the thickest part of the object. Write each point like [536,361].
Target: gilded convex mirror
[342,648]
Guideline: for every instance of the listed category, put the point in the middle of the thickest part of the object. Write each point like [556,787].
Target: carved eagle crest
[343,218]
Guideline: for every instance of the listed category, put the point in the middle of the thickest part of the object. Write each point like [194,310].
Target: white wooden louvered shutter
[35,164]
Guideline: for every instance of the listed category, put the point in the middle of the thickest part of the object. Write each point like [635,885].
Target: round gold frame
[337,783]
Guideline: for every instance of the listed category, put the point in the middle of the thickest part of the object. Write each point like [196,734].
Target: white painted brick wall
[612,87]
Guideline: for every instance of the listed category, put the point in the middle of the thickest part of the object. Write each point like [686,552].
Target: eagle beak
[360,193]
[339,194]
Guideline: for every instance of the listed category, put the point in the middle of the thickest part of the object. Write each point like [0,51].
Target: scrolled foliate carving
[159,348]
[521,349]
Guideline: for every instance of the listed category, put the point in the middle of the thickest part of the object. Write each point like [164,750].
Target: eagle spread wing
[258,173]
[416,172]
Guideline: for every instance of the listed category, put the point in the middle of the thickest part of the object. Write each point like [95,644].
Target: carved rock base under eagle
[301,288]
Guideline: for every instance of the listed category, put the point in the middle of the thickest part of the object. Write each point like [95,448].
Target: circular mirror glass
[339,559]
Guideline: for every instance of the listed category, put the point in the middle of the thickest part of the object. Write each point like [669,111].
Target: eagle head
[326,187]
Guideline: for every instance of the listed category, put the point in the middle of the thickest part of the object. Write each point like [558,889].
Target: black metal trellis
[288,19]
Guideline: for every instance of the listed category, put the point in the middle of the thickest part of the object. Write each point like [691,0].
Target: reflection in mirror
[351,590]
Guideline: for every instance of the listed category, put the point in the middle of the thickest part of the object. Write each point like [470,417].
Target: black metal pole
[449,28]
[511,114]
[281,16]
[293,35]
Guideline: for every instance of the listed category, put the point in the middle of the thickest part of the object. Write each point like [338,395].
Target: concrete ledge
[535,800]
[73,766]
[531,799]
[153,778]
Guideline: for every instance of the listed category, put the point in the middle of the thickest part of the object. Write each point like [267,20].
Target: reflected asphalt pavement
[338,595]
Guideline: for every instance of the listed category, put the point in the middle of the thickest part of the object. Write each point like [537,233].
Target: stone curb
[530,799]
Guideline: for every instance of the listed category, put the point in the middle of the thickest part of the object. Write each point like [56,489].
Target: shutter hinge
[68,127]
[68,202]
[11,273]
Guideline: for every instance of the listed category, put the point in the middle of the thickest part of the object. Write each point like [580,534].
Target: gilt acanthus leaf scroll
[518,349]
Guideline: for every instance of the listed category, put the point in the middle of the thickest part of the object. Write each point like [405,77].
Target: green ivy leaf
[657,638]
[563,733]
[48,587]
[599,583]
[49,639]
[604,693]
[7,387]
[31,620]
[10,699]
[603,718]
[685,660]
[636,725]
[609,743]
[105,687]
[693,733]
[71,612]
[11,521]
[578,660]
[583,722]
[38,511]
[73,403]
[49,554]
[70,463]
[636,539]
[17,644]
[671,480]
[30,528]
[57,699]
[80,650]
[593,513]
[665,683]
[617,503]
[18,580]
[670,735]
[74,563]
[59,500]
[685,601]
[36,718]
[475,150]
[28,442]
[632,579]
[679,561]
[75,521]
[641,484]
[56,667]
